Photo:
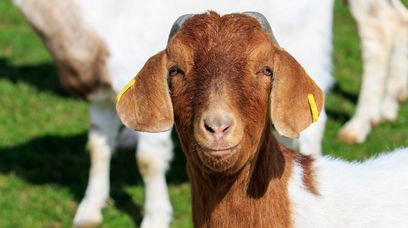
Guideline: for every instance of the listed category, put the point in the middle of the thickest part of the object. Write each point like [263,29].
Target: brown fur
[159,108]
[291,111]
[79,53]
[254,197]
[308,173]
[219,59]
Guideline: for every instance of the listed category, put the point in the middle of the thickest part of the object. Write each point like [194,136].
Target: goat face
[217,74]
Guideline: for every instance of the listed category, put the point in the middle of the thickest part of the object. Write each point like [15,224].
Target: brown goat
[220,81]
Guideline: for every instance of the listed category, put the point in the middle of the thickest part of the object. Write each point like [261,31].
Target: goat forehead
[226,44]
[227,34]
[216,63]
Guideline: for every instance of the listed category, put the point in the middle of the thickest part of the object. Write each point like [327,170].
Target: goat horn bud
[264,23]
[178,23]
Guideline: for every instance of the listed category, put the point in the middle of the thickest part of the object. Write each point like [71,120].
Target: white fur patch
[370,194]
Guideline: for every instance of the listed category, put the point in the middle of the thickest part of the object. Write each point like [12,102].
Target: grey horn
[178,24]
[264,23]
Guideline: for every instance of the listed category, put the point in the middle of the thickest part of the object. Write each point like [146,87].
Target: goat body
[222,81]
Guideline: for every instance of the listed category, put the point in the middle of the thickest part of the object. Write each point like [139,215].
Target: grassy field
[43,162]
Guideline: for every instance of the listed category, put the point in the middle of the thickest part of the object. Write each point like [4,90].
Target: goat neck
[261,185]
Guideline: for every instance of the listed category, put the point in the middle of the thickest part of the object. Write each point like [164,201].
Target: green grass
[43,163]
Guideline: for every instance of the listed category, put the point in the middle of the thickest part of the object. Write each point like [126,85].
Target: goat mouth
[218,159]
[220,153]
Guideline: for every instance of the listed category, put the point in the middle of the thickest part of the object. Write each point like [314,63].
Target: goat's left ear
[145,104]
[292,96]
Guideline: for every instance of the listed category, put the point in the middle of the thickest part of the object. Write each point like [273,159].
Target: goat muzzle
[218,132]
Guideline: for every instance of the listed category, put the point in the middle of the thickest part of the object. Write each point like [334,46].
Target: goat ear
[296,100]
[145,104]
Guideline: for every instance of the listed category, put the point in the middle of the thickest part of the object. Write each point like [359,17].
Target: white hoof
[389,110]
[157,216]
[402,96]
[355,131]
[88,215]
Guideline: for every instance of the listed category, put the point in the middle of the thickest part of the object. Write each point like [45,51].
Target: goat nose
[218,125]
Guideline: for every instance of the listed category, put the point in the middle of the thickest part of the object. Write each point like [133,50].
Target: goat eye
[174,70]
[265,71]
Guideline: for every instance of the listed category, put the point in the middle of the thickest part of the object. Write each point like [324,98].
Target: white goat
[128,31]
[383,29]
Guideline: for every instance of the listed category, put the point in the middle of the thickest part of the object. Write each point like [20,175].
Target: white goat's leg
[311,138]
[375,47]
[396,88]
[127,139]
[153,155]
[101,143]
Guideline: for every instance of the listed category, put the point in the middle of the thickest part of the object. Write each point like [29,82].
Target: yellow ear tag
[313,107]
[122,91]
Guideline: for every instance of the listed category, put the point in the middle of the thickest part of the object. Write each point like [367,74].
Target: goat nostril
[208,128]
[216,129]
[217,126]
[225,129]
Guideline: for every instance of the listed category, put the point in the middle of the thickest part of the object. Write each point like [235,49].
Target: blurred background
[43,132]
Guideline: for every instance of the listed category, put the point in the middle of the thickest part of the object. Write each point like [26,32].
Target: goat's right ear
[145,104]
